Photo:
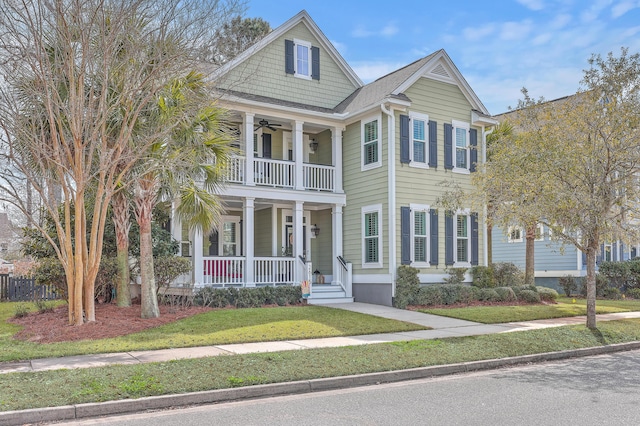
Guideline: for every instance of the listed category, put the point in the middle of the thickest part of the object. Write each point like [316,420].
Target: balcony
[282,174]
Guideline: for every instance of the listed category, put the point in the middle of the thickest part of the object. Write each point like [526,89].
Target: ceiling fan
[265,123]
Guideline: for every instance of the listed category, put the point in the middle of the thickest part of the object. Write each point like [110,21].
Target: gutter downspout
[391,128]
[484,208]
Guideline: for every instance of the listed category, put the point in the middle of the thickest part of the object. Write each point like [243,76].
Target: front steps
[327,293]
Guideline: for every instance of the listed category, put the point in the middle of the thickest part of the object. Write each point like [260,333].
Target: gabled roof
[438,65]
[301,17]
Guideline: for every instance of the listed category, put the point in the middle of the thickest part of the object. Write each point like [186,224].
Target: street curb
[80,411]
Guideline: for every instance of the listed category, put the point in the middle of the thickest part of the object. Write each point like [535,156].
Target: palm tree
[187,165]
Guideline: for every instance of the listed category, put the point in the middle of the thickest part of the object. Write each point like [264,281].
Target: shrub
[212,297]
[634,273]
[612,293]
[429,295]
[44,306]
[49,271]
[633,293]
[22,310]
[247,297]
[482,277]
[617,274]
[450,294]
[407,286]
[105,285]
[529,296]
[506,294]
[456,276]
[568,284]
[601,284]
[467,294]
[547,294]
[488,295]
[167,268]
[507,275]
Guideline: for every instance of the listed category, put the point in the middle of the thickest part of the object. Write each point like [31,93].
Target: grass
[564,308]
[32,390]
[210,328]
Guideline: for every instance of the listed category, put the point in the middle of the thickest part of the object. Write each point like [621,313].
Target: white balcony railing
[281,174]
[274,270]
[230,271]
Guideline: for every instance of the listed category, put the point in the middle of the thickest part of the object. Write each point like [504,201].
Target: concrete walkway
[441,327]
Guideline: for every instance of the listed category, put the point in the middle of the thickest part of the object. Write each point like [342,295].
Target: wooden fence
[18,289]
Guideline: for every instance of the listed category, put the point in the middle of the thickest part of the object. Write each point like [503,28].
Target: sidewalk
[441,327]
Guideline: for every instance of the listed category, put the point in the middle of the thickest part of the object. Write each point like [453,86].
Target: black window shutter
[404,139]
[622,248]
[315,63]
[405,231]
[433,144]
[288,57]
[474,239]
[448,146]
[473,152]
[433,237]
[614,249]
[448,238]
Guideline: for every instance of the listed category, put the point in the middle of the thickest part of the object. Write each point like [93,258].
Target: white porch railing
[280,173]
[224,271]
[230,271]
[319,177]
[344,276]
[274,172]
[274,270]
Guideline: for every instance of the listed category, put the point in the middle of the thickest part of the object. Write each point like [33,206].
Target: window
[419,139]
[460,145]
[607,253]
[515,234]
[302,58]
[372,236]
[539,232]
[371,143]
[229,240]
[420,234]
[462,239]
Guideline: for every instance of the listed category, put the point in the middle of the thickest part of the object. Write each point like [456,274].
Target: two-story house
[338,180]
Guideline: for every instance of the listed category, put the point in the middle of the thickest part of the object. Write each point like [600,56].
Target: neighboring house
[341,178]
[552,260]
[9,237]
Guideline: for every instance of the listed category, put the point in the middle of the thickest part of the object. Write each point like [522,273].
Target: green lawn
[210,328]
[564,308]
[31,390]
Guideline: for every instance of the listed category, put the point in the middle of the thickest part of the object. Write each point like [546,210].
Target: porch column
[176,225]
[249,234]
[336,236]
[198,260]
[298,241]
[248,149]
[274,232]
[336,156]
[298,154]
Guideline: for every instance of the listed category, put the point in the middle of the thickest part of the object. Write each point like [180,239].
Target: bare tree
[77,80]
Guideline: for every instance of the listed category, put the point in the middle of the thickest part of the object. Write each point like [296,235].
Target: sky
[499,46]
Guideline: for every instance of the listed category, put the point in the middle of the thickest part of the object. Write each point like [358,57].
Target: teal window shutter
[473,142]
[433,144]
[448,147]
[433,235]
[404,139]
[315,63]
[405,231]
[474,239]
[448,238]
[288,57]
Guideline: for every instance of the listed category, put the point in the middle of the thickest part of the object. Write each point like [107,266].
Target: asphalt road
[601,390]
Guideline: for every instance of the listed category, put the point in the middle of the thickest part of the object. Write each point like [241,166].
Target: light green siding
[443,102]
[364,188]
[264,74]
[321,251]
[262,241]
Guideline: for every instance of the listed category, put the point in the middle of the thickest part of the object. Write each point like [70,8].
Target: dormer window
[302,59]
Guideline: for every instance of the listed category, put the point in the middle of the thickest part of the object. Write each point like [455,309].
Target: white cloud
[477,33]
[389,30]
[623,7]
[592,13]
[361,32]
[386,31]
[532,4]
[511,31]
[561,21]
[369,71]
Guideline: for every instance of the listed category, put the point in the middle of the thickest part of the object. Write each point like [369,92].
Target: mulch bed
[111,321]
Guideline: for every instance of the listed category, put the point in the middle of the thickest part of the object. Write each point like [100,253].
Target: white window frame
[511,230]
[224,220]
[307,45]
[467,263]
[378,144]
[604,252]
[377,208]
[539,232]
[455,125]
[412,161]
[421,208]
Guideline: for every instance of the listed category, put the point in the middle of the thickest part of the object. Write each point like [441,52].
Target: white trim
[372,279]
[376,208]
[456,124]
[512,229]
[539,232]
[363,122]
[422,117]
[456,264]
[297,42]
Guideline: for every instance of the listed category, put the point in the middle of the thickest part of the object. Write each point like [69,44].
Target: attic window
[302,59]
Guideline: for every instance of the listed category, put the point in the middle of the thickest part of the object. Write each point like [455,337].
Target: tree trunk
[592,249]
[122,224]
[529,266]
[145,197]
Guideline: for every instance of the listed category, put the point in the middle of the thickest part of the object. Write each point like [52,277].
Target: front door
[266,145]
[288,234]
